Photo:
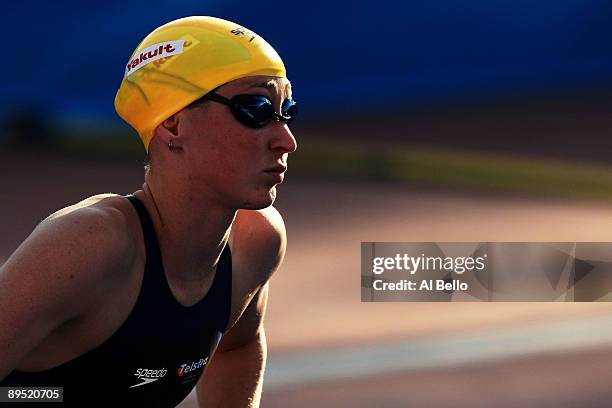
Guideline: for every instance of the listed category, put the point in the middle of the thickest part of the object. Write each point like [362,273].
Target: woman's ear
[167,133]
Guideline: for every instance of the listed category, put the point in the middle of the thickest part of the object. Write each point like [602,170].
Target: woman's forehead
[274,84]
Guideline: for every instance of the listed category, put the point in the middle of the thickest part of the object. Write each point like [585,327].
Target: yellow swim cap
[182,61]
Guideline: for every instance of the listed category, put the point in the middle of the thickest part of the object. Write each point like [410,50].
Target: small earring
[170,146]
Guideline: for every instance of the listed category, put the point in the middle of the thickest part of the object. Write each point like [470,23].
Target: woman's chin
[262,200]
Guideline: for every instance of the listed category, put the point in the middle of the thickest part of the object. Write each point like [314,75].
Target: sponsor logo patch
[147,376]
[191,366]
[153,53]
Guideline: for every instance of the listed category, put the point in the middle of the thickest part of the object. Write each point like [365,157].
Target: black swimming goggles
[255,111]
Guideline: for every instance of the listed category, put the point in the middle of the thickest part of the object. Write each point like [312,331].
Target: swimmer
[136,300]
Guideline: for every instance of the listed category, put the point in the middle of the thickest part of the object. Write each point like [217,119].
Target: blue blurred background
[66,58]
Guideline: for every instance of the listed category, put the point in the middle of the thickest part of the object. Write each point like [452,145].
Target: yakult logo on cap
[153,53]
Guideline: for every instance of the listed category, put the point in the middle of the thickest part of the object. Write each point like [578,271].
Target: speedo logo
[147,376]
[188,367]
[153,53]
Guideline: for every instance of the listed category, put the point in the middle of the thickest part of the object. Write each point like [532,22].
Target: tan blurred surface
[315,296]
[573,380]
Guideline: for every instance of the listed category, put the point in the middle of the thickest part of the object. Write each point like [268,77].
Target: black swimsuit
[157,355]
